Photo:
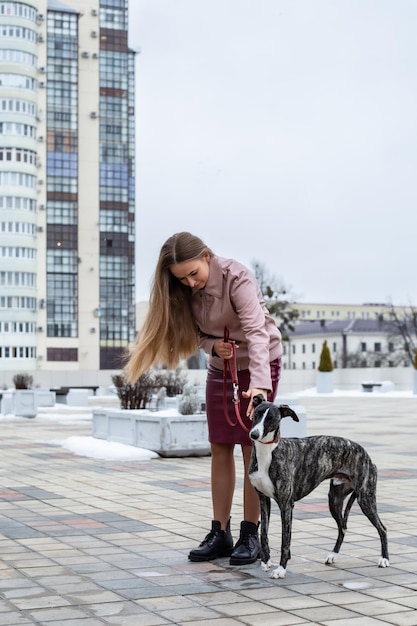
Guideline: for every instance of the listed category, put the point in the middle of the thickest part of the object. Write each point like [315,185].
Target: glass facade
[62,175]
[117,197]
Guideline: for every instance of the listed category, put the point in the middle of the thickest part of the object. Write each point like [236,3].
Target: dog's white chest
[260,479]
[262,483]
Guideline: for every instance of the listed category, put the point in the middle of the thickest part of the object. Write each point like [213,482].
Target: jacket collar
[214,285]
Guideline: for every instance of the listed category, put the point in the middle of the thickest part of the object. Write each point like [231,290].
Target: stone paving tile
[354,621]
[86,541]
[273,619]
[407,618]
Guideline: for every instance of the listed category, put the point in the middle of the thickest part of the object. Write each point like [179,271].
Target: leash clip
[235,393]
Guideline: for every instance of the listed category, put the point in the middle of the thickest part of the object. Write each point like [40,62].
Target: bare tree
[404,332]
[277,298]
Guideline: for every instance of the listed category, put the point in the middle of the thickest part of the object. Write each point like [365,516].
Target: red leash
[231,366]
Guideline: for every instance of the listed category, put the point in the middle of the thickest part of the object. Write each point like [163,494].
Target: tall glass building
[67,193]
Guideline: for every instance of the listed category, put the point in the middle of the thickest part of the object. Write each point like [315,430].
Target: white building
[352,343]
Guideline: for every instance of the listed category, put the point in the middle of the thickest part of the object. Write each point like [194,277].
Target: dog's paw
[266,566]
[383,562]
[279,572]
[331,558]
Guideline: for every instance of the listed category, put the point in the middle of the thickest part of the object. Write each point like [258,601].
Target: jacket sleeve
[206,342]
[248,302]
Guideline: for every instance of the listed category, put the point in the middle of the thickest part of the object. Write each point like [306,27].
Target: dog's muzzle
[254,434]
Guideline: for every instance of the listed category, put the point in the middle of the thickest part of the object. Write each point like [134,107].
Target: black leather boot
[216,544]
[247,548]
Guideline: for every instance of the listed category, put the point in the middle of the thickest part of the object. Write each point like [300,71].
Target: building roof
[332,327]
[57,5]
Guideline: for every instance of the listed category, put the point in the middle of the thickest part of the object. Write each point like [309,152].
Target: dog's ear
[256,400]
[287,412]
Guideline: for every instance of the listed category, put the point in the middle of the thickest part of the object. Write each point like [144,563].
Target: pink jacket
[232,298]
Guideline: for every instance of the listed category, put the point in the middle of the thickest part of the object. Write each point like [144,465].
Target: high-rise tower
[67,196]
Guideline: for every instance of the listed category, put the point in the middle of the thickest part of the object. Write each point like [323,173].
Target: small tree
[277,298]
[23,381]
[139,395]
[135,396]
[404,332]
[190,402]
[326,363]
[172,380]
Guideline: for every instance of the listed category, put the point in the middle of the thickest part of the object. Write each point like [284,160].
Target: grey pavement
[87,542]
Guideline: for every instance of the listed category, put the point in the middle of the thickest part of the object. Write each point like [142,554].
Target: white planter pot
[414,382]
[171,402]
[45,397]
[324,382]
[7,402]
[168,435]
[25,403]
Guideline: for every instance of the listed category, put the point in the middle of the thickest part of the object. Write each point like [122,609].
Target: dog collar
[268,443]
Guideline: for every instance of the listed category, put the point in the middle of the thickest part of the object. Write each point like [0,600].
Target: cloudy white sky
[282,131]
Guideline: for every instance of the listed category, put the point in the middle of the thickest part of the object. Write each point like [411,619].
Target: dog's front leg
[265,505]
[286,528]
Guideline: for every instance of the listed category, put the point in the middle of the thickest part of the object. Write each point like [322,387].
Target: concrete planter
[7,403]
[168,435]
[25,403]
[324,382]
[45,397]
[77,397]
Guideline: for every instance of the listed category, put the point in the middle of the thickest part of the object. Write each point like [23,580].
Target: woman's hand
[223,349]
[251,393]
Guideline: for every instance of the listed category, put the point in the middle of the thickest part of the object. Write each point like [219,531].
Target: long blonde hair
[169,332]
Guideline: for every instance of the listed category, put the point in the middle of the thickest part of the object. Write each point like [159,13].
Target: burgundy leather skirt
[219,429]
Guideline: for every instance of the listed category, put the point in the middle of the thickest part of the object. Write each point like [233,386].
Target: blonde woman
[194,295]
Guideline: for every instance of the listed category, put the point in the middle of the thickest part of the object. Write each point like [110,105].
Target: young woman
[195,295]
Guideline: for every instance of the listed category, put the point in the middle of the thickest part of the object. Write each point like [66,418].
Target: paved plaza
[88,542]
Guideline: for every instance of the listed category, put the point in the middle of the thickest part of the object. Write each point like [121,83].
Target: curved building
[19,184]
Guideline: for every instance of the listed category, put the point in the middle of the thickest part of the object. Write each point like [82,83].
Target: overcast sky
[282,131]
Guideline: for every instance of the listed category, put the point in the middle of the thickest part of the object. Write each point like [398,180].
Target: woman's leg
[219,541]
[250,497]
[223,480]
[247,547]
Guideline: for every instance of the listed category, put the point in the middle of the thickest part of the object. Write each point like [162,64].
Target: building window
[62,354]
[377,347]
[303,348]
[363,347]
[313,348]
[18,9]
[18,155]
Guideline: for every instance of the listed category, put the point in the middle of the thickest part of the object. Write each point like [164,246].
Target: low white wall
[349,379]
[56,378]
[291,381]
